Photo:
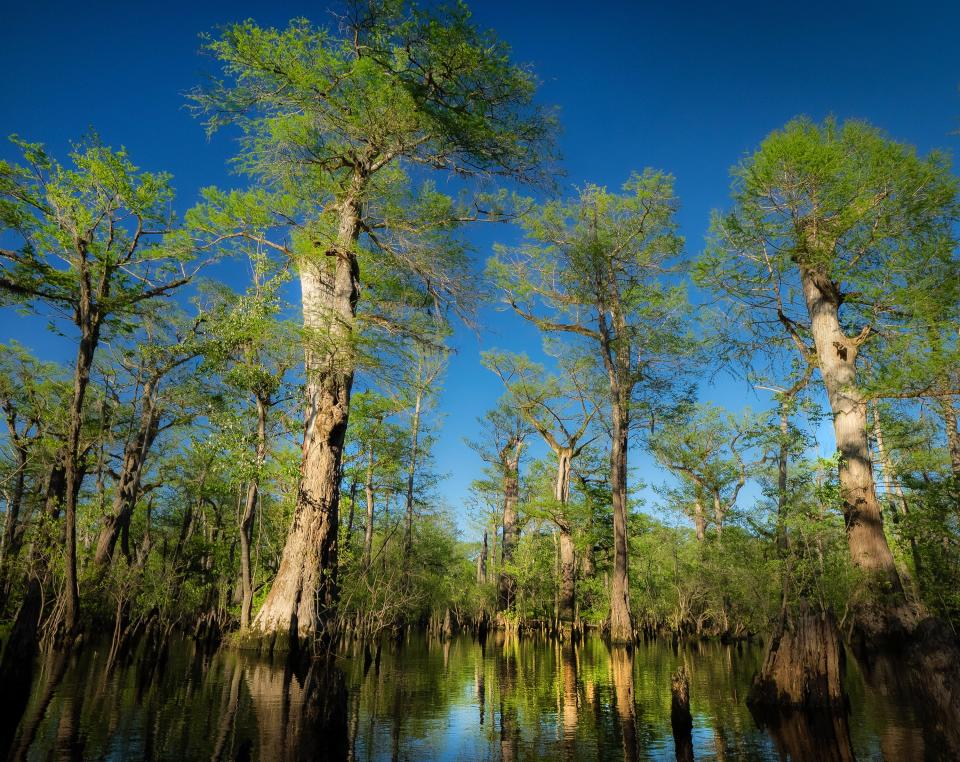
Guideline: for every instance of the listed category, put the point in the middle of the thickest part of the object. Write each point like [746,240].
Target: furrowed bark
[621,625]
[837,356]
[303,596]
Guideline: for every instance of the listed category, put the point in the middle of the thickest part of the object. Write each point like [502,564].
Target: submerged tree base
[277,642]
[803,666]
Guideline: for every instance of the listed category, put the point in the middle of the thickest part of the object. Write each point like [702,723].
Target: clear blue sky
[685,87]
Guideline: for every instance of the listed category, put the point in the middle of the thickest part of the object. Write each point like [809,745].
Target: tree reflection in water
[506,699]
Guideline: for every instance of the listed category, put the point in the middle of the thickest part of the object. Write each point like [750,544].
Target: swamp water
[507,699]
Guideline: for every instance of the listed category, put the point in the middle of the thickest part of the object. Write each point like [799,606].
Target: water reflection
[506,699]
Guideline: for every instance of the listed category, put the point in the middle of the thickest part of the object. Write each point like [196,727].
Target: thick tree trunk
[568,570]
[804,665]
[621,625]
[567,596]
[699,520]
[511,530]
[301,602]
[246,518]
[837,357]
[128,486]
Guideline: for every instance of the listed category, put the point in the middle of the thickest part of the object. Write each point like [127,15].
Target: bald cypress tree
[339,125]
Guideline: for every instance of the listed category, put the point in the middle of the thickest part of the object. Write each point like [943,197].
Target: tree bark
[482,562]
[803,666]
[411,474]
[837,356]
[12,529]
[718,513]
[890,474]
[128,485]
[73,473]
[368,529]
[621,625]
[568,568]
[249,511]
[302,599]
[699,520]
[953,434]
[511,531]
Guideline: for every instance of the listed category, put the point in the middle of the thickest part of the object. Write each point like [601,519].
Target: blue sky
[689,88]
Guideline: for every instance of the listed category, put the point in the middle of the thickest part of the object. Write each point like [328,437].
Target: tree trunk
[782,464]
[246,518]
[128,485]
[411,473]
[511,531]
[568,568]
[699,520]
[890,476]
[12,530]
[73,473]
[348,535]
[681,720]
[482,562]
[718,513]
[837,356]
[304,594]
[953,435]
[804,664]
[621,625]
[368,530]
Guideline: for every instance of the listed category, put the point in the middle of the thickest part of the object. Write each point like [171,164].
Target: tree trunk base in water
[680,718]
[803,666]
[279,642]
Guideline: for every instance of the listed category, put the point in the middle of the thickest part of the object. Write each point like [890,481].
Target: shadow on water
[497,698]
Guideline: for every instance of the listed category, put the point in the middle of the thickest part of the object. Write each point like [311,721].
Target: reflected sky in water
[508,699]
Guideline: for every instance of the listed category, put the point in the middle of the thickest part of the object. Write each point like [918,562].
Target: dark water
[507,700]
